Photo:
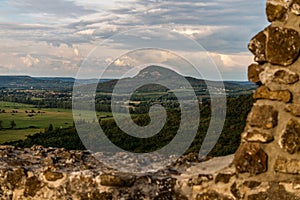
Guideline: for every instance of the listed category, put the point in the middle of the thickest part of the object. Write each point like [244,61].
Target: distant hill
[72,80]
[158,74]
[154,73]
[50,83]
[27,82]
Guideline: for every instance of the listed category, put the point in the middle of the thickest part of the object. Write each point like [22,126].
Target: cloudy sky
[58,37]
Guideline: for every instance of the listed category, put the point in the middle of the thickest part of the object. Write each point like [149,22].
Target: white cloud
[232,61]
[29,61]
[86,32]
[58,34]
[126,61]
[120,63]
[198,31]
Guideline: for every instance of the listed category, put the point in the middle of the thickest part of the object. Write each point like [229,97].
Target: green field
[26,116]
[12,135]
[12,105]
[29,122]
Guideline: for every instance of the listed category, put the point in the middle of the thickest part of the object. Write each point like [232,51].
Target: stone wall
[266,165]
[39,173]
[271,140]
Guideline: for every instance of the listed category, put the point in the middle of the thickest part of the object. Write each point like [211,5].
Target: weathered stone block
[264,92]
[101,196]
[257,46]
[211,194]
[224,177]
[200,179]
[284,165]
[48,161]
[235,191]
[263,117]
[282,46]
[294,109]
[251,184]
[257,136]
[275,12]
[250,158]
[253,73]
[279,75]
[295,7]
[279,2]
[32,186]
[275,191]
[290,139]
[16,177]
[296,184]
[52,176]
[117,180]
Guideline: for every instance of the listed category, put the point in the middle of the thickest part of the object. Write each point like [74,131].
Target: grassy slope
[26,125]
[57,117]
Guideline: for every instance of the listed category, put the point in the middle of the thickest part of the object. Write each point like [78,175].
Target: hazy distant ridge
[66,83]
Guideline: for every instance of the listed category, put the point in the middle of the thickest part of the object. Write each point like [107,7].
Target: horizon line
[111,78]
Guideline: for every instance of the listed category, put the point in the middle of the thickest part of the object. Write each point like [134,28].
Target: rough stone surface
[278,75]
[250,158]
[53,176]
[263,117]
[215,178]
[224,177]
[295,7]
[32,186]
[264,92]
[275,11]
[201,178]
[211,194]
[251,184]
[290,139]
[257,46]
[16,177]
[34,178]
[282,46]
[235,191]
[117,180]
[289,166]
[296,184]
[262,168]
[253,72]
[294,109]
[270,143]
[274,192]
[257,136]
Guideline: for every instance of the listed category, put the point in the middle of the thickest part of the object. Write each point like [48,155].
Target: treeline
[60,138]
[237,110]
[61,100]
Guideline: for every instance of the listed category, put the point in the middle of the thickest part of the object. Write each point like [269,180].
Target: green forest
[236,114]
